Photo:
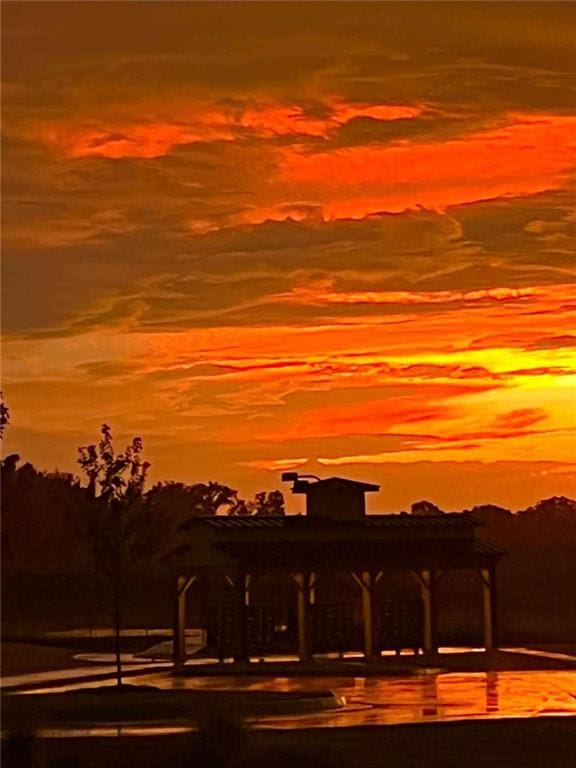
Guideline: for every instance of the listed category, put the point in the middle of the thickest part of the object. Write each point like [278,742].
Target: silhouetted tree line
[536,578]
[54,523]
[49,521]
[46,516]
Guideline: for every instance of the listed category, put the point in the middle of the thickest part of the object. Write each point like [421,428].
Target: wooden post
[312,592]
[248,582]
[367,581]
[427,579]
[302,581]
[242,600]
[488,576]
[183,583]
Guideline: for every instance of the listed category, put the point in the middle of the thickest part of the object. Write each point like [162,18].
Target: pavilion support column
[242,589]
[183,583]
[302,581]
[488,577]
[248,585]
[371,651]
[367,581]
[427,589]
[312,592]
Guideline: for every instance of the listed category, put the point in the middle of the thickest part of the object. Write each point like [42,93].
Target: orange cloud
[348,370]
[374,417]
[311,295]
[119,141]
[146,137]
[274,465]
[290,119]
[520,418]
[527,156]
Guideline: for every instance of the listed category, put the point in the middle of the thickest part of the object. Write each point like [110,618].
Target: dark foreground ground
[539,742]
[528,743]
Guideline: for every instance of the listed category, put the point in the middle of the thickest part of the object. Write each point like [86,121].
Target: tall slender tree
[125,531]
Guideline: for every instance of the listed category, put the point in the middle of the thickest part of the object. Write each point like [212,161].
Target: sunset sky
[336,237]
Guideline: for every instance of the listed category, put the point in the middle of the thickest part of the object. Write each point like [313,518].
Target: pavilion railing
[334,627]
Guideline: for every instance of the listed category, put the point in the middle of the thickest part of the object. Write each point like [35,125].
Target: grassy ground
[26,658]
[43,655]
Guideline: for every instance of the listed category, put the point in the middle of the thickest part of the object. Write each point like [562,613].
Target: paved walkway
[100,667]
[77,675]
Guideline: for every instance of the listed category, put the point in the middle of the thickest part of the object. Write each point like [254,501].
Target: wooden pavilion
[334,536]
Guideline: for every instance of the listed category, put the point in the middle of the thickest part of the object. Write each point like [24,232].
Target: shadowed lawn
[26,658]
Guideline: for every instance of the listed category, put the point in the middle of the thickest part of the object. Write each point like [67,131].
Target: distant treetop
[553,505]
[4,415]
[425,508]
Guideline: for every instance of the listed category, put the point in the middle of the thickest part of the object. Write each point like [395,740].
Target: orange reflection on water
[378,700]
[394,700]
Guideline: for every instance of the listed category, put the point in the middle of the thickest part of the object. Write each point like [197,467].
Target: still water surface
[385,701]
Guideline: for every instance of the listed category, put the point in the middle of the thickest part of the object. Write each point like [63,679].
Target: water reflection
[379,701]
[430,696]
[492,698]
[445,697]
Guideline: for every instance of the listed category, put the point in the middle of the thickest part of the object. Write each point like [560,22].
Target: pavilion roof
[251,522]
[287,542]
[344,481]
